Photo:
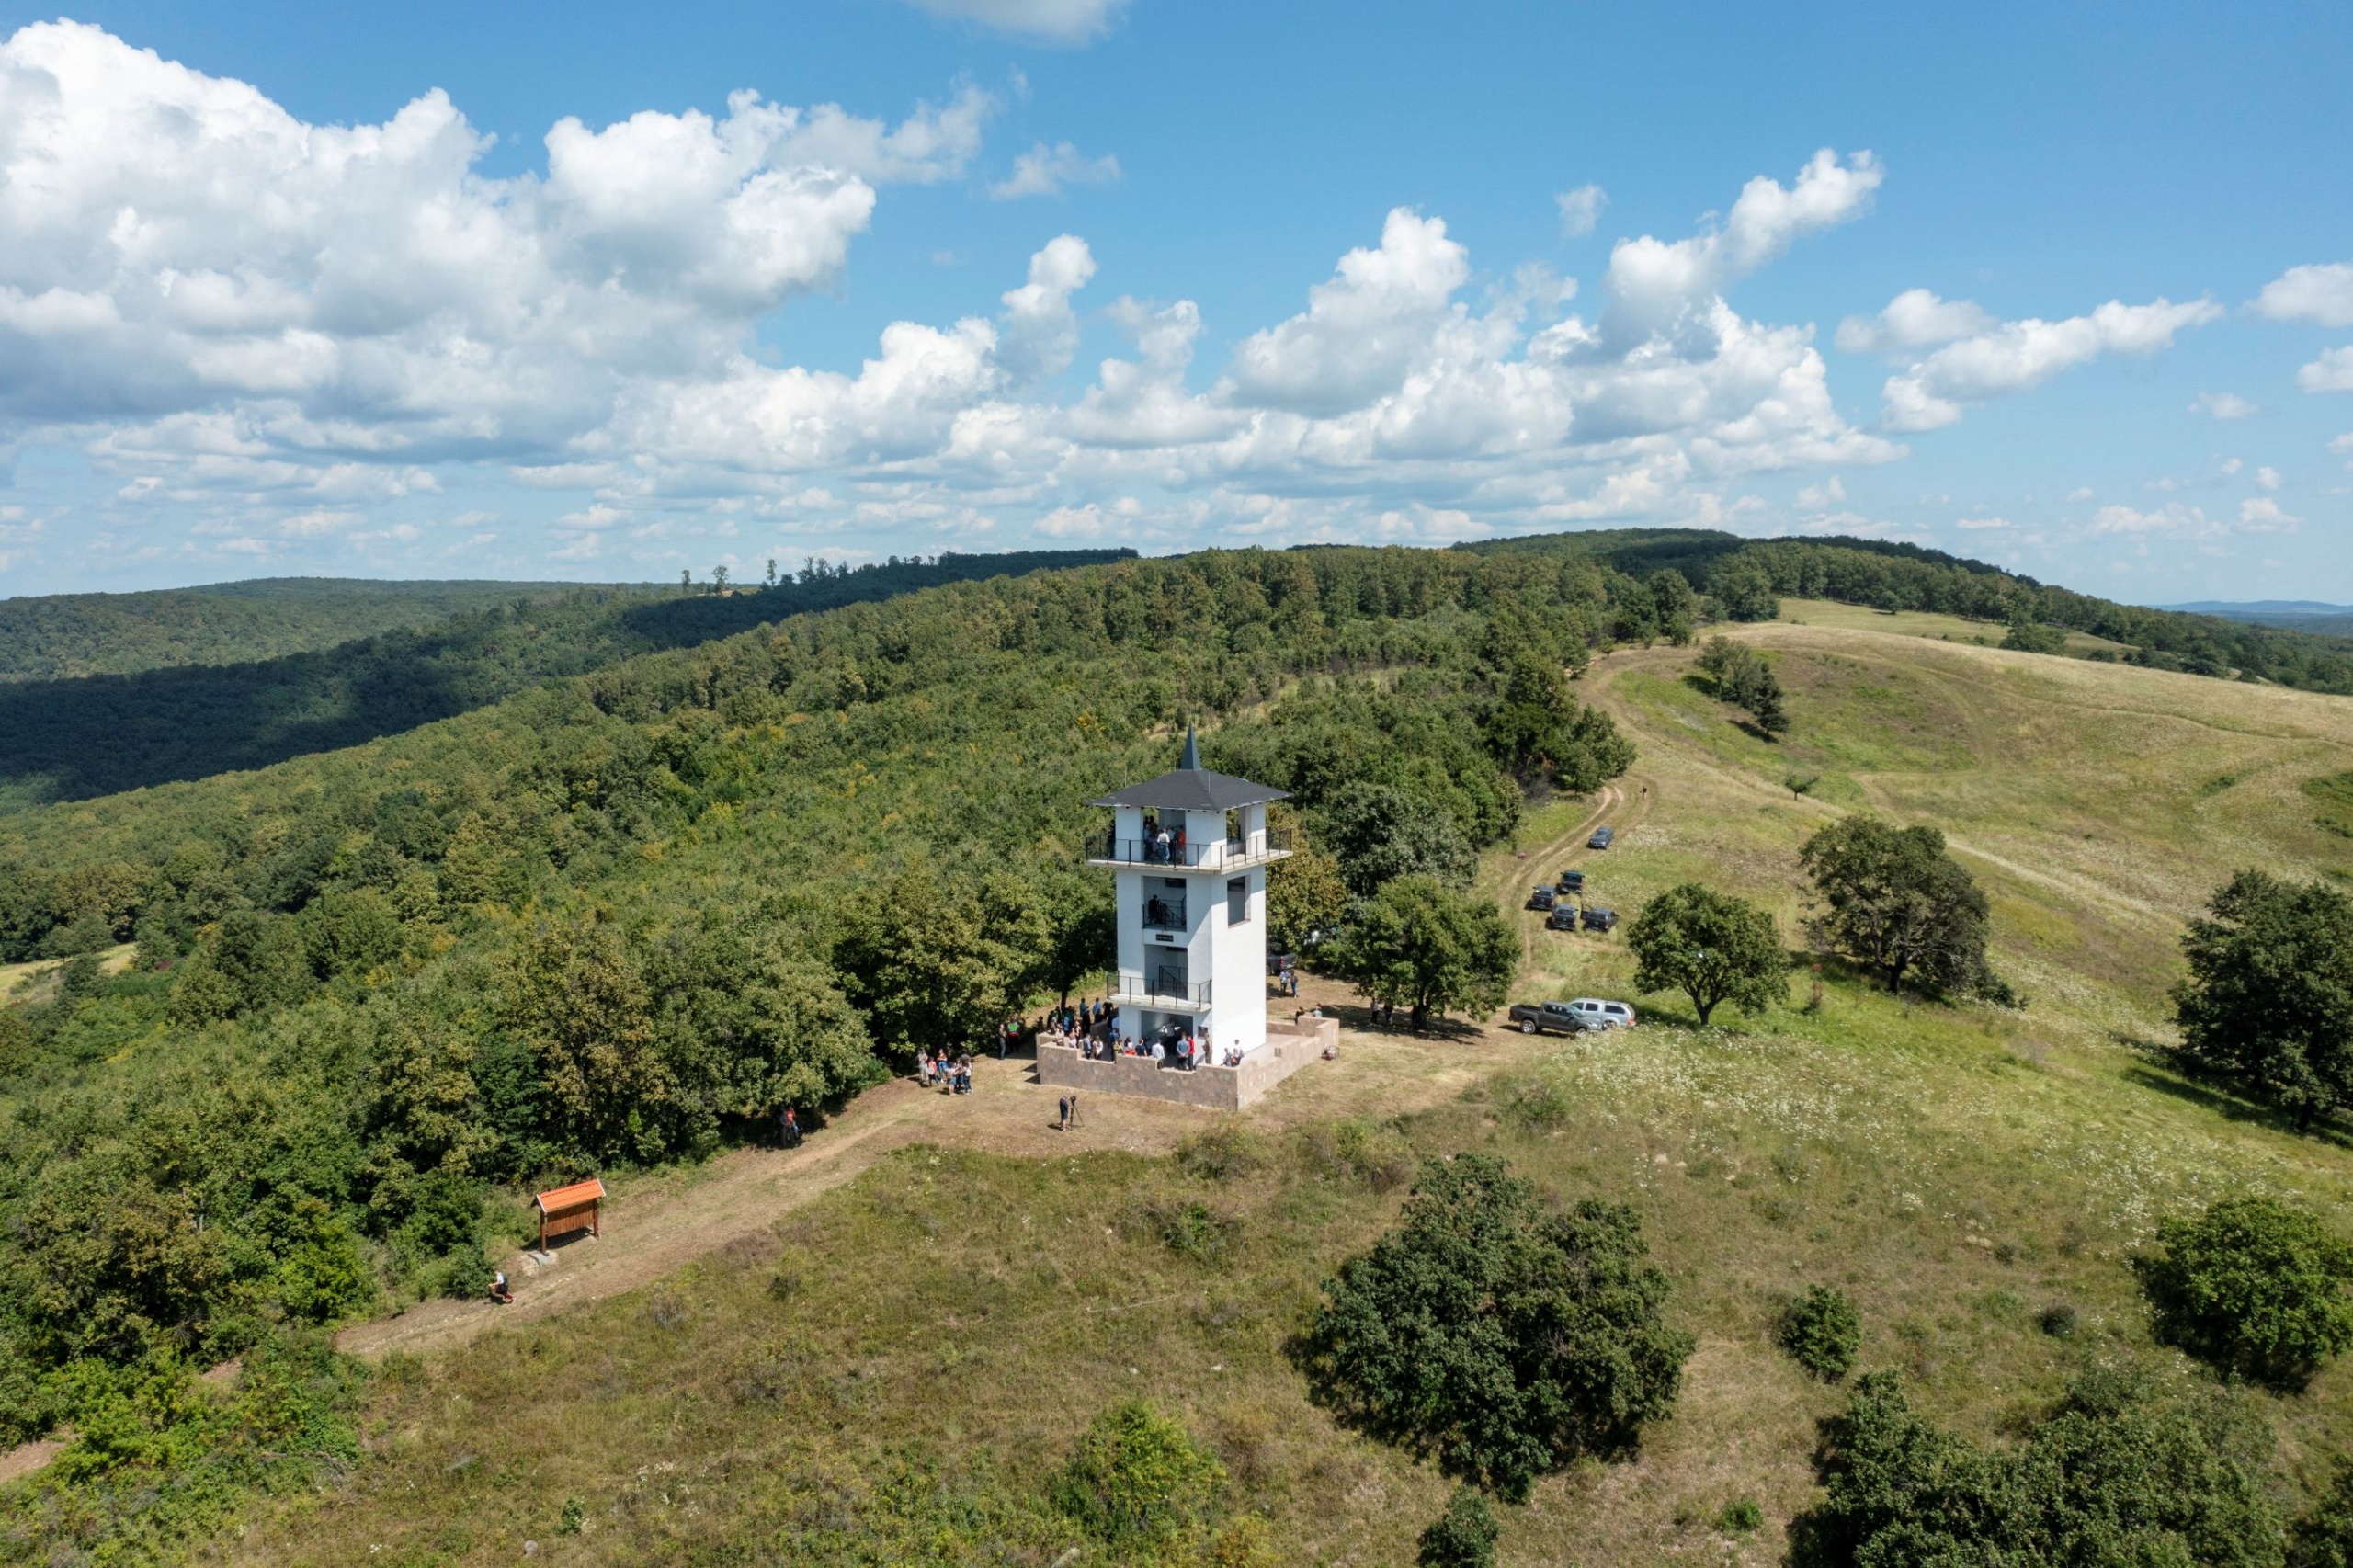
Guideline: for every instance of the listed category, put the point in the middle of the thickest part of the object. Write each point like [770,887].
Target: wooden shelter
[564,1210]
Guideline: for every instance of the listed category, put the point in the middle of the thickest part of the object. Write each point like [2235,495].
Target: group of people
[1287,976]
[1076,1026]
[949,1074]
[1162,847]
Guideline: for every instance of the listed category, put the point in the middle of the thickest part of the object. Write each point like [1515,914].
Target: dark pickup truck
[1542,1018]
[1600,919]
[1541,898]
[1571,881]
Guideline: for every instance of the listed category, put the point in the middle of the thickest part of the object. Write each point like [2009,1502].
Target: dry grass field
[886,1371]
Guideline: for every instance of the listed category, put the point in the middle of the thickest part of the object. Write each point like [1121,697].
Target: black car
[1541,898]
[1572,882]
[1601,839]
[1600,919]
[1563,918]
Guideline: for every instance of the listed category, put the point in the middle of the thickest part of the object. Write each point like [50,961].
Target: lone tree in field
[2268,1003]
[1712,948]
[1505,1341]
[1427,948]
[2253,1288]
[1741,677]
[1892,900]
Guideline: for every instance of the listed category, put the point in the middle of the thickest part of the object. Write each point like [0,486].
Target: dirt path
[656,1226]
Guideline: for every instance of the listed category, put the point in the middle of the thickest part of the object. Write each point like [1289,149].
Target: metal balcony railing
[1164,987]
[1164,915]
[1214,852]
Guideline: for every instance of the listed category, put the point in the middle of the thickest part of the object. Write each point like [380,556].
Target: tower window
[1237,901]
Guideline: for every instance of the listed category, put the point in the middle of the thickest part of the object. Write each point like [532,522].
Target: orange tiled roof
[572,1196]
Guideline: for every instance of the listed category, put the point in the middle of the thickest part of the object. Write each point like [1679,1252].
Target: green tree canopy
[2253,1286]
[2268,1001]
[1379,833]
[2115,1476]
[1741,677]
[1538,730]
[939,962]
[1505,1341]
[1711,947]
[1895,901]
[1307,898]
[1425,948]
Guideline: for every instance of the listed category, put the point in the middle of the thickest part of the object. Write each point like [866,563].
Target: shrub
[1192,1229]
[1462,1537]
[1138,1483]
[1221,1153]
[1821,1331]
[2114,1476]
[2253,1288]
[1741,1517]
[1246,1542]
[1503,1340]
[2057,1320]
[2323,1537]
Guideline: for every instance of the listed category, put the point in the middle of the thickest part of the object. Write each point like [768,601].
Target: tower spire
[1191,760]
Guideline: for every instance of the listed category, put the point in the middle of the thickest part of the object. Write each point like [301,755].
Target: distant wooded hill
[60,636]
[2296,615]
[70,739]
[1736,572]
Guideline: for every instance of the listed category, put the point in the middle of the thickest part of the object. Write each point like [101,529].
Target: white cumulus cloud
[288,331]
[1915,319]
[179,246]
[2333,371]
[1364,328]
[2223,405]
[1654,280]
[2012,357]
[2323,293]
[1053,21]
[1581,209]
[1044,171]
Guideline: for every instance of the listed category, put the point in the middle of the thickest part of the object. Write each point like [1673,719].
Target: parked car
[1550,1017]
[1563,918]
[1571,881]
[1601,920]
[1601,839]
[1541,898]
[1600,1015]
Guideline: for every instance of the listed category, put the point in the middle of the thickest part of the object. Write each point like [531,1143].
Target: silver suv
[1600,1015]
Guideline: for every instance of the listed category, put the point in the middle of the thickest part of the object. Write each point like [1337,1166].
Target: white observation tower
[1189,851]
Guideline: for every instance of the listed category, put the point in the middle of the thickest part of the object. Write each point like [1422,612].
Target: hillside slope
[63,636]
[101,735]
[903,1359]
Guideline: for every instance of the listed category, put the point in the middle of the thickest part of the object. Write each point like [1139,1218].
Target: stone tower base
[1213,1088]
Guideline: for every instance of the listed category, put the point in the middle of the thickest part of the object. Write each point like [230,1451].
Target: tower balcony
[1161,988]
[1259,849]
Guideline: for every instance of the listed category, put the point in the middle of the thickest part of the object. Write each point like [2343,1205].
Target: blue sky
[475,291]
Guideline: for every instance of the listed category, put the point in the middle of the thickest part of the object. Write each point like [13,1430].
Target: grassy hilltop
[880,1349]
[898,1363]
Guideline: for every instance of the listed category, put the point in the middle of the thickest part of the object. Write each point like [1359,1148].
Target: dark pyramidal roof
[1192,787]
